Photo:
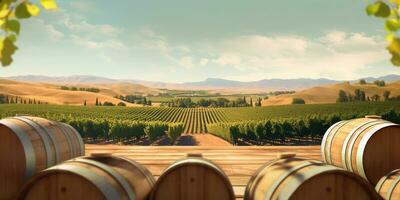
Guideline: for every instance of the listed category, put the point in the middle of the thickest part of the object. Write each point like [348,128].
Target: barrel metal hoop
[363,145]
[356,132]
[294,184]
[379,185]
[78,136]
[329,158]
[324,139]
[45,139]
[120,179]
[67,135]
[269,193]
[254,177]
[52,138]
[30,158]
[392,187]
[107,189]
[149,176]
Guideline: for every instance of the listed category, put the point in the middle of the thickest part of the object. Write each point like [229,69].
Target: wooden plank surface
[238,163]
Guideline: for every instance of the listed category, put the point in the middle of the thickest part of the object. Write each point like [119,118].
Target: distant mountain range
[208,84]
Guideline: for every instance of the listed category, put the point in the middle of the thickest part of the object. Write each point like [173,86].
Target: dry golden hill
[52,93]
[329,93]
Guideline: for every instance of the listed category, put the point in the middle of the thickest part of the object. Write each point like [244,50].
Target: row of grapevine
[265,131]
[125,129]
[198,120]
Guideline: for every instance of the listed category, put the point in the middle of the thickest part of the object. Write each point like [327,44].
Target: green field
[304,120]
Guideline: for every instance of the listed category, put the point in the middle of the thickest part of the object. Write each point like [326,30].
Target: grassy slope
[329,93]
[54,95]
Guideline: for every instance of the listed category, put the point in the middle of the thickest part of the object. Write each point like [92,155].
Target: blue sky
[188,40]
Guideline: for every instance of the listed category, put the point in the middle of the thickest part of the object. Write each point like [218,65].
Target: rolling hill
[52,93]
[215,84]
[329,93]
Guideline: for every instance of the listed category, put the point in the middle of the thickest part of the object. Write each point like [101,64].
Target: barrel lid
[373,116]
[97,155]
[285,155]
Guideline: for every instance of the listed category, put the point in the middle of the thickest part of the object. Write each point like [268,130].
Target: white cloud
[203,61]
[92,44]
[294,56]
[80,25]
[186,62]
[37,28]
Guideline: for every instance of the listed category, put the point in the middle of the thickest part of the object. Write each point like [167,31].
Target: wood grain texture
[389,186]
[237,162]
[91,177]
[300,178]
[49,143]
[365,146]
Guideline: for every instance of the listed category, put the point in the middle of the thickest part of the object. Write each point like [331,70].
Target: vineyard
[261,125]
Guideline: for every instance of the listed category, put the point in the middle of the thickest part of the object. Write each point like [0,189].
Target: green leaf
[7,49]
[378,9]
[372,9]
[4,10]
[49,4]
[13,25]
[33,9]
[21,12]
[394,49]
[392,25]
[13,38]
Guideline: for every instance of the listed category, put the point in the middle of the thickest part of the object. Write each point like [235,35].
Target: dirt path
[201,139]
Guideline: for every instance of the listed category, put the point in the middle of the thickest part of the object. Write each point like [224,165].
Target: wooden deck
[238,163]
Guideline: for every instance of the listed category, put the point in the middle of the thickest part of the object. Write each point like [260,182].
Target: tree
[106,103]
[298,101]
[11,12]
[121,104]
[251,102]
[84,103]
[380,83]
[3,99]
[357,95]
[342,97]
[386,95]
[363,96]
[375,97]
[362,82]
[97,101]
[389,10]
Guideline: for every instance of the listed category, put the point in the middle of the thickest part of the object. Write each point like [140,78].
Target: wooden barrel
[298,178]
[193,178]
[93,177]
[389,186]
[367,146]
[31,144]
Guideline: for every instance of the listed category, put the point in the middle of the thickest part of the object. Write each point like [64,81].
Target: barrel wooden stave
[33,149]
[365,146]
[389,186]
[193,178]
[298,178]
[91,178]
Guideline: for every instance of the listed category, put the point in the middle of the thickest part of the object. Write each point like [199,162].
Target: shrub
[121,104]
[298,101]
[155,130]
[106,103]
[175,130]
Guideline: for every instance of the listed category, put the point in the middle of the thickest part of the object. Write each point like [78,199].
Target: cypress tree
[97,101]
